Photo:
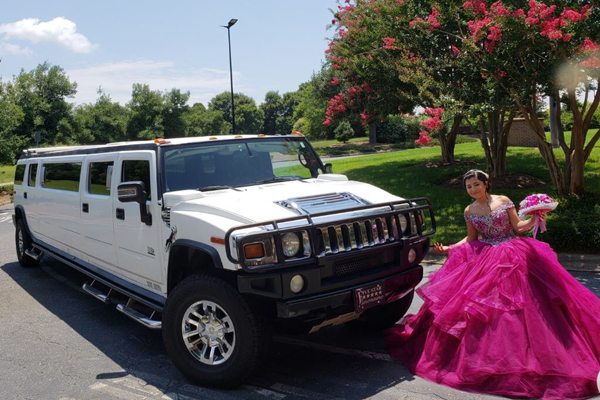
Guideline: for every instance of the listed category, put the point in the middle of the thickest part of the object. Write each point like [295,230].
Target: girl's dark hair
[479,174]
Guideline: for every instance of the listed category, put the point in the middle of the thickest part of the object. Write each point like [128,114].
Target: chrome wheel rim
[208,332]
[20,243]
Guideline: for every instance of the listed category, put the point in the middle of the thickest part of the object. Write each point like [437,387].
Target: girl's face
[475,187]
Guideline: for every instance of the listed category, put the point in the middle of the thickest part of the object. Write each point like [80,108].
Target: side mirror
[328,168]
[135,192]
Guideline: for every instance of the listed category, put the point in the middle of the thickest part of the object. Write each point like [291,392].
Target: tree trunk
[372,133]
[576,181]
[545,148]
[448,140]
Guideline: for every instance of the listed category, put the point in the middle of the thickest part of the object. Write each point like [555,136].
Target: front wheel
[23,242]
[387,315]
[212,334]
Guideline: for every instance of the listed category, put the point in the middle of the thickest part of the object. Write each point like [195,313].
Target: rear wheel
[386,315]
[23,242]
[213,335]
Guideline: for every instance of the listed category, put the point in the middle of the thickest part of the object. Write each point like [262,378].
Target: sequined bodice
[494,228]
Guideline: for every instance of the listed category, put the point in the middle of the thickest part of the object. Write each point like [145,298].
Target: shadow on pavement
[313,369]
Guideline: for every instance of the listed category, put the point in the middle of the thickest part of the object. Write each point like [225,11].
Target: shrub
[575,225]
[343,132]
[398,128]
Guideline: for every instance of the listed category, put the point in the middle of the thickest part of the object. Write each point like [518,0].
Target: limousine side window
[100,177]
[62,176]
[19,174]
[137,170]
[32,174]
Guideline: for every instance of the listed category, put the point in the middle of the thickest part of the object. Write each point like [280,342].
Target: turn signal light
[160,141]
[254,250]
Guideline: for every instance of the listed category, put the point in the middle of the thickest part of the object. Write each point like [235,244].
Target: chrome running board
[97,293]
[138,316]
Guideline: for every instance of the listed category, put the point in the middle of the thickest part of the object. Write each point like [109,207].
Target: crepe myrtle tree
[387,63]
[531,49]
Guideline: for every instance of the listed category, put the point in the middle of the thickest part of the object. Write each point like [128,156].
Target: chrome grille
[352,235]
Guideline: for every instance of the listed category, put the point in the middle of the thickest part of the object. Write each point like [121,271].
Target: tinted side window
[99,179]
[19,173]
[32,174]
[64,176]
[137,170]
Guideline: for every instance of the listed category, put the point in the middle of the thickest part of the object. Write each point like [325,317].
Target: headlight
[403,222]
[291,244]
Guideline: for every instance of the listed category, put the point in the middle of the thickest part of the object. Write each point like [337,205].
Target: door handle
[120,213]
[85,207]
[25,195]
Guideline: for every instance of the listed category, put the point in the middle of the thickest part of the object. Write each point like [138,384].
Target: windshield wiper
[213,187]
[277,179]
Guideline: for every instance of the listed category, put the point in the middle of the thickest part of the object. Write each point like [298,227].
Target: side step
[97,293]
[34,253]
[139,316]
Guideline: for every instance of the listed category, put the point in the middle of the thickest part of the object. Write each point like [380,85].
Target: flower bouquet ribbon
[537,204]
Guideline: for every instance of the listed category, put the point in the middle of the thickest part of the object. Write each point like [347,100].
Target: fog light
[297,283]
[412,256]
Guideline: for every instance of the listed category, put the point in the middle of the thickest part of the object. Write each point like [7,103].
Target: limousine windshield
[243,162]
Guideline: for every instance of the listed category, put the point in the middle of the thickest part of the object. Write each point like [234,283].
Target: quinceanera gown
[502,316]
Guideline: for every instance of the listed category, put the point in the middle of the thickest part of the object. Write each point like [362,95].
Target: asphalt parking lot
[57,342]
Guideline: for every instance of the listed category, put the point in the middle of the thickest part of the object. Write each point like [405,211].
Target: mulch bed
[511,180]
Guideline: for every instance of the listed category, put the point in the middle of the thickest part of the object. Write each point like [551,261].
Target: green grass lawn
[321,144]
[7,173]
[404,174]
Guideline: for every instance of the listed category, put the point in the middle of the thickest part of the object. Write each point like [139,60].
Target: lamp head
[231,23]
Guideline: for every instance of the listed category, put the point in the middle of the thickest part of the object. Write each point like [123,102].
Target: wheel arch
[188,257]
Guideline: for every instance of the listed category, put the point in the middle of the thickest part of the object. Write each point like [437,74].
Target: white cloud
[9,48]
[117,78]
[59,30]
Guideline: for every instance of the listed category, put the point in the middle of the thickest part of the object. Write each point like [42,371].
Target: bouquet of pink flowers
[537,204]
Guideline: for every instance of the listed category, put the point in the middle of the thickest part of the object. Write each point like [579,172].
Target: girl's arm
[518,224]
[472,235]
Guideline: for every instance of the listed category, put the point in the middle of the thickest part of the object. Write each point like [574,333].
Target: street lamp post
[229,25]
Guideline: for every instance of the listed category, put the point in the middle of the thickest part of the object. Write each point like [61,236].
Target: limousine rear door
[138,244]
[97,211]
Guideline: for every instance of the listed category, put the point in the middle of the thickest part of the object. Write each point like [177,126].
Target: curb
[571,261]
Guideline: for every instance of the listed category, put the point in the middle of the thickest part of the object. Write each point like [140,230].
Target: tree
[104,121]
[285,120]
[248,118]
[531,49]
[174,107]
[146,108]
[42,96]
[272,109]
[202,122]
[344,132]
[313,97]
[11,117]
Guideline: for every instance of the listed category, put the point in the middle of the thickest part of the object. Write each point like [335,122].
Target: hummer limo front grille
[356,235]
[347,231]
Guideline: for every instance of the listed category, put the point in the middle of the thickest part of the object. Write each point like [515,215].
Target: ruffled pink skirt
[506,320]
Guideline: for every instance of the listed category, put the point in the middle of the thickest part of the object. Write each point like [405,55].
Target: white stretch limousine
[219,240]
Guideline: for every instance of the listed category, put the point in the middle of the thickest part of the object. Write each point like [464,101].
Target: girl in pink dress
[502,316]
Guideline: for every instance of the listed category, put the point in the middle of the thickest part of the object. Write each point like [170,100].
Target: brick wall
[521,134]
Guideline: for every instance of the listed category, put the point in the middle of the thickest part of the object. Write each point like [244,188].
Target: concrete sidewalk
[571,261]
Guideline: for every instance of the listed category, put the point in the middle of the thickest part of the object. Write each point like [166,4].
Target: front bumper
[341,302]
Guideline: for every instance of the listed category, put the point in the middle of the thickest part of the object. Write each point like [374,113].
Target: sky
[275,45]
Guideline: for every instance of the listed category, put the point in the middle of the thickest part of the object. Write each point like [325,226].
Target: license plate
[369,296]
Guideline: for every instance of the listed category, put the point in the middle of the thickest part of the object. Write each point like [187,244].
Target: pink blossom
[499,9]
[519,13]
[571,15]
[435,112]
[423,139]
[432,124]
[456,51]
[389,43]
[333,21]
[400,2]
[495,34]
[335,81]
[566,37]
[370,57]
[327,51]
[433,18]
[336,66]
[501,73]
[592,62]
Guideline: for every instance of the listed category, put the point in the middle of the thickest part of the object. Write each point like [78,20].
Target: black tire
[387,315]
[252,335]
[23,242]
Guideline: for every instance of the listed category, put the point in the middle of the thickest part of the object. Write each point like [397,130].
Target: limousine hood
[278,200]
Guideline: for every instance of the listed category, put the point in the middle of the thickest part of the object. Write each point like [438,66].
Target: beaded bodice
[494,228]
